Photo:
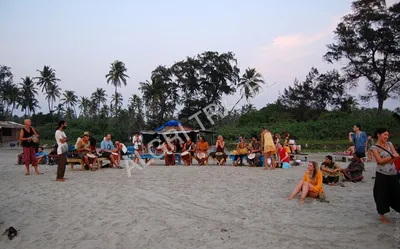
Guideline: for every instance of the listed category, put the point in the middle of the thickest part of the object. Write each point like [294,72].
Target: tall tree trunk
[48,102]
[116,100]
[236,104]
[380,105]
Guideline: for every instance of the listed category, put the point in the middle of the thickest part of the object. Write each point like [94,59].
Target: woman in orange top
[202,151]
[311,185]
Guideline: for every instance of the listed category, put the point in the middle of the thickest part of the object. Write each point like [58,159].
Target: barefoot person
[311,185]
[330,171]
[62,149]
[354,172]
[27,137]
[387,186]
[269,148]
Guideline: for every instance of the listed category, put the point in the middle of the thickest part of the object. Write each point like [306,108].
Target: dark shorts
[106,154]
[362,154]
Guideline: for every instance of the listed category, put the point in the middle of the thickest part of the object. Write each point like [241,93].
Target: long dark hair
[60,123]
[379,131]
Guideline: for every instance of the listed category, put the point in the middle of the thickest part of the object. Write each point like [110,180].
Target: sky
[80,39]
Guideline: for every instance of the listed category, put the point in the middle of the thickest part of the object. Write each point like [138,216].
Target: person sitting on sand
[41,156]
[330,171]
[311,185]
[355,169]
[350,150]
[284,157]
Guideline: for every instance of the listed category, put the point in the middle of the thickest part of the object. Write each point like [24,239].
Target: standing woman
[27,136]
[62,149]
[269,148]
[387,186]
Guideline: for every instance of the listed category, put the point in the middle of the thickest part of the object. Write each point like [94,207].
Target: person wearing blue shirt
[41,156]
[359,139]
[108,150]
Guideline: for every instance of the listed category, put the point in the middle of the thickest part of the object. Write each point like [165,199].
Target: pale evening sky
[79,39]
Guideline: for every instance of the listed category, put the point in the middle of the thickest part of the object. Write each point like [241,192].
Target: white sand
[184,207]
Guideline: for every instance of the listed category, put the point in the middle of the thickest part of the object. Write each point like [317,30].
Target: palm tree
[15,96]
[46,79]
[99,97]
[250,85]
[117,99]
[84,104]
[152,95]
[28,102]
[9,96]
[59,110]
[70,99]
[54,92]
[69,113]
[116,76]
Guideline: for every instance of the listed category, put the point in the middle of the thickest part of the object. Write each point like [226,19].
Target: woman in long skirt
[387,186]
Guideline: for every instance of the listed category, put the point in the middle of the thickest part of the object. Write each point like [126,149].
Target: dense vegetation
[315,110]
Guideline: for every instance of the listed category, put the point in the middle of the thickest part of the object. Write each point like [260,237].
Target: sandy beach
[185,207]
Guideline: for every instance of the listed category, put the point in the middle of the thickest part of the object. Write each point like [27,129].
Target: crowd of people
[386,189]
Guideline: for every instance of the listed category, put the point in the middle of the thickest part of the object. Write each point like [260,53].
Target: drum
[219,155]
[201,155]
[169,153]
[243,151]
[90,155]
[251,156]
[35,139]
[115,154]
[185,155]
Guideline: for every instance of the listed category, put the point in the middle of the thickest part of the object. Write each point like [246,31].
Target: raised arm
[351,137]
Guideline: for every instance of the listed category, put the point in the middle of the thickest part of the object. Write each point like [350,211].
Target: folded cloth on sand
[285,165]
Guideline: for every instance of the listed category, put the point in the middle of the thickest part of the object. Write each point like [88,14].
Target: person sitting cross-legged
[354,172]
[330,171]
[41,156]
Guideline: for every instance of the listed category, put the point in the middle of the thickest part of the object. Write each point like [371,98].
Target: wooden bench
[73,161]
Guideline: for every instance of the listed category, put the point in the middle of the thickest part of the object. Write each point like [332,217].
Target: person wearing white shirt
[62,149]
[137,145]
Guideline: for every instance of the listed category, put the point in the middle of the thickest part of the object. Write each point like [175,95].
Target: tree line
[366,43]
